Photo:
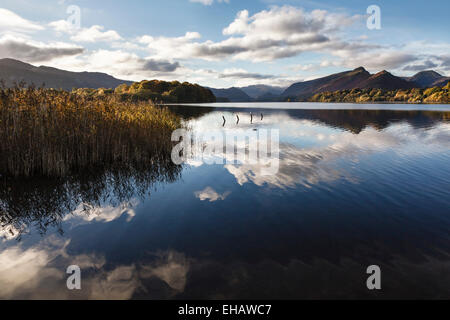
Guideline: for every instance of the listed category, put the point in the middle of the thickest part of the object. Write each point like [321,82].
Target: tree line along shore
[435,95]
[155,90]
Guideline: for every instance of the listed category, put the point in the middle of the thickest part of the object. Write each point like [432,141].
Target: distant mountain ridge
[14,71]
[232,94]
[347,79]
[428,78]
[358,78]
[261,91]
[385,80]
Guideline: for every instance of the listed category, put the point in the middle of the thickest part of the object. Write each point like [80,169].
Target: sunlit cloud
[96,34]
[268,35]
[12,22]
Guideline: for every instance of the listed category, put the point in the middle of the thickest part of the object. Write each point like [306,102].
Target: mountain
[15,71]
[442,82]
[429,78]
[259,92]
[262,92]
[231,95]
[334,82]
[385,80]
[358,78]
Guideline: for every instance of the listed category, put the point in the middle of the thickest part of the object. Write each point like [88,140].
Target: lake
[355,186]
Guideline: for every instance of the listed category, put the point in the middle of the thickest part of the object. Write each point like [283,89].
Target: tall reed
[54,133]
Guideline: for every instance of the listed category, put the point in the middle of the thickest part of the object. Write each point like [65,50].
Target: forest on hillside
[155,90]
[417,95]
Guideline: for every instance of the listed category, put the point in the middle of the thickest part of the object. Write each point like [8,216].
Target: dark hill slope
[12,71]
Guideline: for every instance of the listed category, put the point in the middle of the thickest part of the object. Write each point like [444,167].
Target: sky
[224,43]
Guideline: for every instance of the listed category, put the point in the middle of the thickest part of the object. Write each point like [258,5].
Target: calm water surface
[354,188]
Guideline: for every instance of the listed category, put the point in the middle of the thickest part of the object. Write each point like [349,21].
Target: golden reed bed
[45,132]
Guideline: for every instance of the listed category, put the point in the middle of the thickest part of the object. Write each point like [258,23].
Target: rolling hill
[13,71]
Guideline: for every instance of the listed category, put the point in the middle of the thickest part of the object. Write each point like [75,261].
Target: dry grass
[46,132]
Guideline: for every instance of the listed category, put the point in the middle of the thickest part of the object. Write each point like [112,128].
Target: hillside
[347,80]
[429,78]
[259,92]
[440,95]
[308,88]
[262,92]
[231,95]
[12,71]
[156,91]
[322,89]
[384,80]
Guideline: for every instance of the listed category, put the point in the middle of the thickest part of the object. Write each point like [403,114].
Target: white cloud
[62,26]
[121,64]
[425,65]
[96,34]
[281,32]
[173,47]
[236,73]
[305,67]
[268,35]
[375,60]
[11,22]
[412,57]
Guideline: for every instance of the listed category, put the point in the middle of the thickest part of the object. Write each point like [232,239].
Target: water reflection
[309,150]
[352,120]
[357,120]
[44,202]
[354,188]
